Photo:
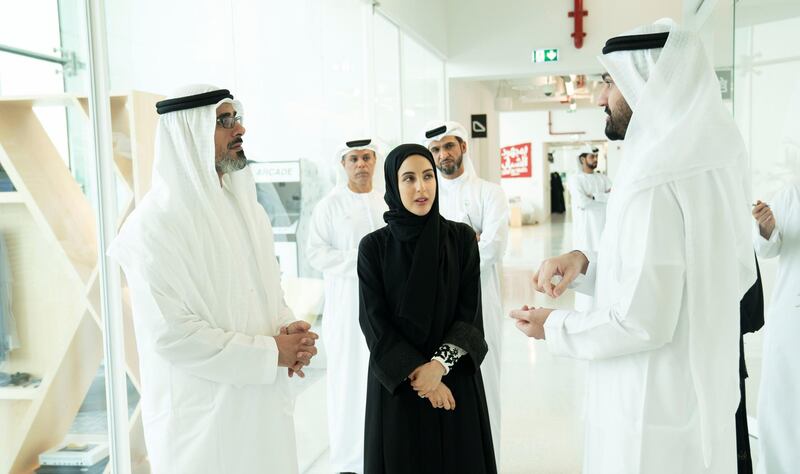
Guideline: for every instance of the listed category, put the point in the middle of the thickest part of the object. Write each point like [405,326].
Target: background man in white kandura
[212,328]
[353,209]
[464,197]
[589,192]
[662,338]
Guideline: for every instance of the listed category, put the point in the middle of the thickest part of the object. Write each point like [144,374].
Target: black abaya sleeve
[392,357]
[751,310]
[466,331]
[752,306]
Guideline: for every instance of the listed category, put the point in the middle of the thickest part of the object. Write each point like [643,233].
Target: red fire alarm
[578,15]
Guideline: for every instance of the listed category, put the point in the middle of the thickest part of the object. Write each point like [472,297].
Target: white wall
[422,86]
[495,39]
[196,49]
[767,101]
[298,68]
[524,127]
[714,23]
[468,98]
[425,20]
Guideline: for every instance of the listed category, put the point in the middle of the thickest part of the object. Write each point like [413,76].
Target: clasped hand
[296,347]
[426,380]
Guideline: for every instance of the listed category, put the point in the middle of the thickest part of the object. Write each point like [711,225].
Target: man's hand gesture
[567,267]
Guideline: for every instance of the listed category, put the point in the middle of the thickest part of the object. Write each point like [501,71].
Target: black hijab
[417,238]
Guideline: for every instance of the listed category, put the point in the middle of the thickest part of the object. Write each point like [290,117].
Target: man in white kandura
[464,197]
[353,209]
[777,234]
[211,324]
[675,258]
[589,192]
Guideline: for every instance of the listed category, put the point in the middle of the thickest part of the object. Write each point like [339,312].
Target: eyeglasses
[229,121]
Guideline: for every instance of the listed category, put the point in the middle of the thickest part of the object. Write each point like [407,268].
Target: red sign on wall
[515,161]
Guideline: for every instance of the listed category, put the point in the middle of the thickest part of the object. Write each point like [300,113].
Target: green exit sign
[544,55]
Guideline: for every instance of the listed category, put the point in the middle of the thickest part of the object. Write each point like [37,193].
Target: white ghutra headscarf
[437,130]
[680,128]
[176,237]
[360,145]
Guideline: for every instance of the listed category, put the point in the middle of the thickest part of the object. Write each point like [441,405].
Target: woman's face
[417,184]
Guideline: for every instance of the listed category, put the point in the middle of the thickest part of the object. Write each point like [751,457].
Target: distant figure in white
[589,193]
[353,209]
[464,197]
[777,234]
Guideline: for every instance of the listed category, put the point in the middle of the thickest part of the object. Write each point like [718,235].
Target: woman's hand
[442,397]
[425,378]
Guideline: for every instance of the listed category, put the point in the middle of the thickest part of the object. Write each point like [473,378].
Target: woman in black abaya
[420,311]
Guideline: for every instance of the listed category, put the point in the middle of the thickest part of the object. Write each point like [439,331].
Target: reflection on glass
[52,384]
[386,56]
[423,88]
[767,79]
[282,203]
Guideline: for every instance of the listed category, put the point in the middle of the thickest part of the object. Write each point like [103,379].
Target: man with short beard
[353,209]
[589,192]
[464,197]
[662,337]
[212,327]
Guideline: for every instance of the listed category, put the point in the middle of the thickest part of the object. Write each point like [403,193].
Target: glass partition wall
[53,365]
[77,132]
[766,100]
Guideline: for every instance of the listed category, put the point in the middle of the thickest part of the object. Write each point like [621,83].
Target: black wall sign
[478,126]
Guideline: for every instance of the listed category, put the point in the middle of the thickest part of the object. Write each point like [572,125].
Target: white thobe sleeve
[285,314]
[603,196]
[651,278]
[581,195]
[767,248]
[585,283]
[494,228]
[191,343]
[322,255]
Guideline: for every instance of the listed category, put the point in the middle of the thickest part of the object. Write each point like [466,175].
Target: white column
[109,275]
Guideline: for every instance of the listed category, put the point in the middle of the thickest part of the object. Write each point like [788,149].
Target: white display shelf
[18,393]
[11,197]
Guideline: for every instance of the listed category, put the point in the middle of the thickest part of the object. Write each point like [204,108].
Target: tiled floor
[542,395]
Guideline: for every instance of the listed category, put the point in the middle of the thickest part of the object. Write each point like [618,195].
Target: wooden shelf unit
[49,227]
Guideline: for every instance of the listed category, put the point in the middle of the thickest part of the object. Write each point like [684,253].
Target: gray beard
[451,170]
[229,164]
